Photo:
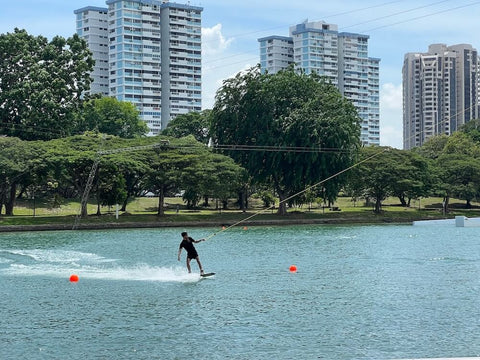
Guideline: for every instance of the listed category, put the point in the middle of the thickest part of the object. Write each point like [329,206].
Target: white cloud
[391,116]
[213,41]
[219,63]
[391,96]
[214,80]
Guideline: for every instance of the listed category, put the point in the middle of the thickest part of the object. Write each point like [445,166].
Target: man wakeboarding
[187,244]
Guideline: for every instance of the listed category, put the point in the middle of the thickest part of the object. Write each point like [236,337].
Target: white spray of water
[60,263]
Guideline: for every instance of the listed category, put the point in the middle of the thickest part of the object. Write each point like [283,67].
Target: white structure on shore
[340,57]
[459,221]
[153,51]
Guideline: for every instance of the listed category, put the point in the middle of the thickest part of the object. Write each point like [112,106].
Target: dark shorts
[192,255]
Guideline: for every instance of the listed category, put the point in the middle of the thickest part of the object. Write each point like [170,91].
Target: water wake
[61,263]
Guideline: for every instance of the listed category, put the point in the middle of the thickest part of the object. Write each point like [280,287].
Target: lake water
[360,292]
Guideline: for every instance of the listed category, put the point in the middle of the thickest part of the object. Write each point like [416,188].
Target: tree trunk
[98,201]
[378,206]
[468,205]
[10,204]
[161,199]
[83,212]
[445,202]
[242,199]
[124,205]
[21,192]
[2,199]
[402,200]
[206,201]
[282,206]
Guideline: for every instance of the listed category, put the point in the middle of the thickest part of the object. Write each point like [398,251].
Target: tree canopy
[41,83]
[108,115]
[297,128]
[192,123]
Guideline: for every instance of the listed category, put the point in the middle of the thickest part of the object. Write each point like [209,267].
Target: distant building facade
[154,56]
[92,25]
[440,92]
[342,58]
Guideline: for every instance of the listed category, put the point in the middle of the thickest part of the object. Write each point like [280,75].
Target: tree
[15,163]
[211,175]
[70,161]
[412,176]
[458,168]
[271,115]
[41,83]
[192,123]
[374,177]
[472,128]
[191,166]
[110,185]
[110,116]
[384,172]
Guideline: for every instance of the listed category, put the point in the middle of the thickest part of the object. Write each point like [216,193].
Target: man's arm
[197,241]
[179,252]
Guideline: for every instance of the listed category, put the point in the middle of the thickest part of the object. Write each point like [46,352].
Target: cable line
[425,16]
[327,16]
[397,13]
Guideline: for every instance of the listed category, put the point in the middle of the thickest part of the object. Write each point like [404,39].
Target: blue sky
[231,29]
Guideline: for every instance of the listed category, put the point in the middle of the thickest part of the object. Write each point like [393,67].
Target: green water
[360,292]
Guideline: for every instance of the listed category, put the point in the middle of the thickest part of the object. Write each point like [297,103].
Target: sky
[231,29]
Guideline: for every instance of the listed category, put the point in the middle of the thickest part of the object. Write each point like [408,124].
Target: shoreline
[186,224]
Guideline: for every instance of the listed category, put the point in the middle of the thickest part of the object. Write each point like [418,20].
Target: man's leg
[188,265]
[199,265]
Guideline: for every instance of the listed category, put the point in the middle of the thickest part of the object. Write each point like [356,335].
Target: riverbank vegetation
[287,143]
[143,211]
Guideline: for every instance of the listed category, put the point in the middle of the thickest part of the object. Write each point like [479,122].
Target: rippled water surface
[360,292]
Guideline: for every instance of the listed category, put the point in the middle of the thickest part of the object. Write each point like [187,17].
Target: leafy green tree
[271,115]
[165,169]
[211,175]
[384,172]
[458,169]
[110,116]
[14,164]
[472,128]
[135,170]
[192,123]
[374,177]
[111,185]
[191,166]
[70,161]
[412,176]
[41,83]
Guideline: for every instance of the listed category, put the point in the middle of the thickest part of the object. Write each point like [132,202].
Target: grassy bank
[142,212]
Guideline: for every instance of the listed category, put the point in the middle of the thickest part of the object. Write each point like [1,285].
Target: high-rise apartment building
[154,56]
[440,92]
[276,53]
[92,25]
[342,58]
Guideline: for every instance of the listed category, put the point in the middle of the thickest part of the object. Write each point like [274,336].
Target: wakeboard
[207,274]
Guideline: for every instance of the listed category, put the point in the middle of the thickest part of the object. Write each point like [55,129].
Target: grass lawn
[144,210]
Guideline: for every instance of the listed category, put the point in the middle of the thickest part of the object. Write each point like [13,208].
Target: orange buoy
[245,228]
[293,268]
[73,278]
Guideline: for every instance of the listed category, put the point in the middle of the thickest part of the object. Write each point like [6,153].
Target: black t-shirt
[188,246]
